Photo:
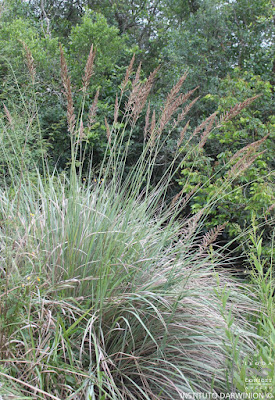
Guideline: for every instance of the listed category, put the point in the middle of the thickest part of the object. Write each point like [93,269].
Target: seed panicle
[270,208]
[68,92]
[29,62]
[234,111]
[88,69]
[147,120]
[139,95]
[211,236]
[116,110]
[202,125]
[192,223]
[128,74]
[172,104]
[187,108]
[108,132]
[207,130]
[8,116]
[182,134]
[152,129]
[243,164]
[81,134]
[93,110]
[247,155]
[251,146]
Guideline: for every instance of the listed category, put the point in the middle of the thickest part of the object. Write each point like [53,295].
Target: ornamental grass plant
[106,293]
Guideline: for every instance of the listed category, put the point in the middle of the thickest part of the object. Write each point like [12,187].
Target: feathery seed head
[235,110]
[183,131]
[88,69]
[128,74]
[207,130]
[93,110]
[211,236]
[108,132]
[29,62]
[8,115]
[152,129]
[116,110]
[68,92]
[147,119]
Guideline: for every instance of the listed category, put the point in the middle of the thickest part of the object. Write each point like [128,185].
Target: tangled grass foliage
[105,292]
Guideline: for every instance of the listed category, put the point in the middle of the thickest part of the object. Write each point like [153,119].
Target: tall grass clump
[105,292]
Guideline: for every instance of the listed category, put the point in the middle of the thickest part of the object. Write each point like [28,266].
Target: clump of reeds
[115,298]
[114,305]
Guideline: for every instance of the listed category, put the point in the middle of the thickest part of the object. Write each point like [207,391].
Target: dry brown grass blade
[88,69]
[68,91]
[34,388]
[29,62]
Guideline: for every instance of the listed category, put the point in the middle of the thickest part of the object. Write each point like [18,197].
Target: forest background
[227,48]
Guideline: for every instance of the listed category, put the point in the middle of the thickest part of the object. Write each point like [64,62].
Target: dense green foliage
[251,193]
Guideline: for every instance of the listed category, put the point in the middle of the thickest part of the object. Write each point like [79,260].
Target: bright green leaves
[109,46]
[252,190]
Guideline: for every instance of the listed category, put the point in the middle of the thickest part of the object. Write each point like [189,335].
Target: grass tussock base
[105,292]
[99,301]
